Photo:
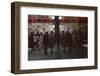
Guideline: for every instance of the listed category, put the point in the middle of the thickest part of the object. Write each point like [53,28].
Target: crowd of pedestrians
[44,41]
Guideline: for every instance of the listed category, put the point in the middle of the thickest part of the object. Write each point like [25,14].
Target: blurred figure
[62,40]
[37,40]
[69,40]
[31,41]
[80,37]
[45,42]
[74,37]
[66,40]
[51,40]
[41,42]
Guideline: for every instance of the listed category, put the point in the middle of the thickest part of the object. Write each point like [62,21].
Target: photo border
[15,36]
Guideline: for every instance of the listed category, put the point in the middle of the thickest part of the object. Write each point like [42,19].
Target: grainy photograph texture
[57,37]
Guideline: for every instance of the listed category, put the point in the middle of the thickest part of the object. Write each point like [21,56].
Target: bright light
[52,17]
[60,17]
[53,26]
